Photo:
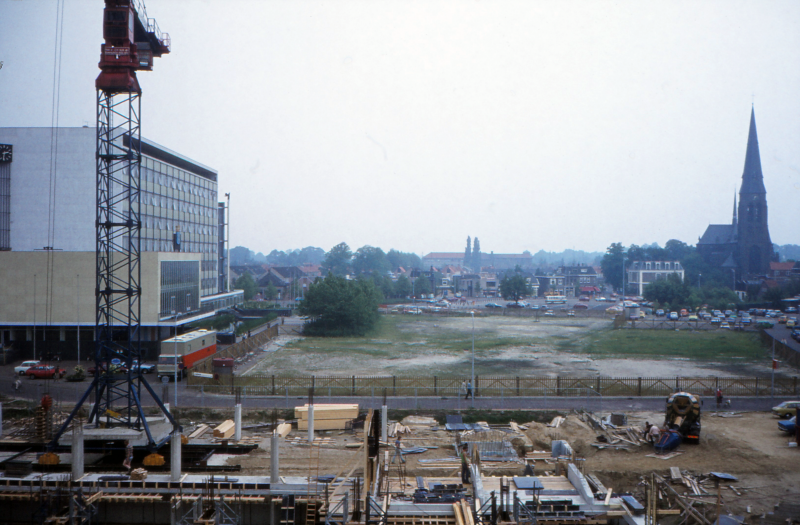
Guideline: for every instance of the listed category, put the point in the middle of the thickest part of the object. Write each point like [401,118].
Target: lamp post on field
[472,396]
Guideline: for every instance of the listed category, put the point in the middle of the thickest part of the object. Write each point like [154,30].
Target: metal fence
[499,387]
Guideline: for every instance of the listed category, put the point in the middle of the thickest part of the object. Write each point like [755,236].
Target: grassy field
[665,344]
[427,345]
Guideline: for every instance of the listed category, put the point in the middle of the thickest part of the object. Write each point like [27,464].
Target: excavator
[682,421]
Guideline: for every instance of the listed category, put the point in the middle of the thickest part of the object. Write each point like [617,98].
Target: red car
[44,372]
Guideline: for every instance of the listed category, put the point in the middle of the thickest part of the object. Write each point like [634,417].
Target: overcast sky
[410,125]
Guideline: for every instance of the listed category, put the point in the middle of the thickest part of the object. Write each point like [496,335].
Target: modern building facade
[47,256]
[744,246]
[642,273]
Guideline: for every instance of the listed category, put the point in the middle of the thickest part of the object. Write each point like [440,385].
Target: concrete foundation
[237,419]
[77,451]
[385,424]
[275,458]
[175,456]
[310,423]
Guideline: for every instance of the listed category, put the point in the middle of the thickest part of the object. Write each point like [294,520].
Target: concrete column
[175,453]
[385,423]
[275,458]
[237,419]
[310,424]
[77,450]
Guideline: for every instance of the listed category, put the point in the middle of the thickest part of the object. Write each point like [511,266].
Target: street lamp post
[175,352]
[472,397]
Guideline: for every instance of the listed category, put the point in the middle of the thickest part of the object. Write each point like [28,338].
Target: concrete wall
[73,285]
[74,203]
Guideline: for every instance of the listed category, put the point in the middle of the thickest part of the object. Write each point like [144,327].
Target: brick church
[744,246]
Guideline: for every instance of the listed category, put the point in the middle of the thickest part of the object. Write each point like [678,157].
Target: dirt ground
[540,358]
[747,445]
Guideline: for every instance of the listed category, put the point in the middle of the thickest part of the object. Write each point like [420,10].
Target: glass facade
[179,212]
[180,291]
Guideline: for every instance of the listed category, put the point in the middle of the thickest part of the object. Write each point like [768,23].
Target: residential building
[642,273]
[48,242]
[495,261]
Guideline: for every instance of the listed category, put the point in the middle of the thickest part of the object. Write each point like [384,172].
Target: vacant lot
[428,345]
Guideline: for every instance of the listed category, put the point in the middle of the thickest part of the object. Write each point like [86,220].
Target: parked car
[146,368]
[44,372]
[782,319]
[673,316]
[584,298]
[791,322]
[788,426]
[796,335]
[791,310]
[746,320]
[581,306]
[492,305]
[764,324]
[660,313]
[550,313]
[786,409]
[117,369]
[684,312]
[571,313]
[21,369]
[716,320]
[693,318]
[514,305]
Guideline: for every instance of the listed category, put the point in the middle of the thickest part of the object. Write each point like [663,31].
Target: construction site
[120,455]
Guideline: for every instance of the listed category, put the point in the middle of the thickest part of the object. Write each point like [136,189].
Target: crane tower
[132,41]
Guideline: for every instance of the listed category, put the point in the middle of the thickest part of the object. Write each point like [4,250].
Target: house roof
[752,178]
[444,255]
[781,266]
[718,234]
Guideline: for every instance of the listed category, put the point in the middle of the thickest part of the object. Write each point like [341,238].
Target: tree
[775,296]
[270,292]
[468,252]
[369,259]
[670,291]
[404,259]
[248,284]
[422,285]
[402,288]
[514,288]
[612,265]
[337,261]
[476,255]
[338,307]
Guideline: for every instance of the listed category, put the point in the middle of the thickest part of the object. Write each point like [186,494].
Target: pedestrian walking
[17,385]
[397,450]
[469,391]
[719,398]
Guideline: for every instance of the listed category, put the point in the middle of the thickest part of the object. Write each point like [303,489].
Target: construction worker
[128,455]
[469,391]
[464,465]
[719,398]
[654,433]
[397,451]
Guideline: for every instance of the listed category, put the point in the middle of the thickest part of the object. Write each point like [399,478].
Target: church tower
[754,246]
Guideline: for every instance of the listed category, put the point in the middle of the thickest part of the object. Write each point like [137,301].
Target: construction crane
[132,41]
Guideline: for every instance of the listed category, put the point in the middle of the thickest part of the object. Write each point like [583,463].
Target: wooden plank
[608,496]
[225,430]
[284,429]
[459,515]
[324,424]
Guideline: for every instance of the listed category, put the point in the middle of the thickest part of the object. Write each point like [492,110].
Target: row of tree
[367,259]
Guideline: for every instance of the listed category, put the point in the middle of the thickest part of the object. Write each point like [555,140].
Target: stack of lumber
[326,417]
[225,430]
[542,455]
[398,428]
[201,429]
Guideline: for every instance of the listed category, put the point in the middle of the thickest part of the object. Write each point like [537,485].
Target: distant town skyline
[533,125]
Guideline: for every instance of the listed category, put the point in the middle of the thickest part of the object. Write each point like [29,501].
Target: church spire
[752,178]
